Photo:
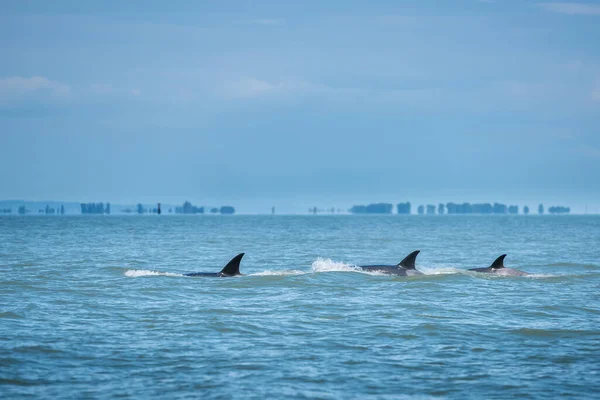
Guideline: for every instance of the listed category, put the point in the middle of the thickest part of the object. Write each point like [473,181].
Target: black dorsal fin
[409,260]
[499,263]
[233,267]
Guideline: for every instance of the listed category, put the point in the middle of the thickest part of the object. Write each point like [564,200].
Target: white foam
[328,265]
[279,273]
[505,275]
[136,273]
[537,276]
[439,271]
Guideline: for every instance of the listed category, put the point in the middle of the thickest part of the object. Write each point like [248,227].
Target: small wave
[568,264]
[540,276]
[21,382]
[503,276]
[136,273]
[439,271]
[36,349]
[290,272]
[536,332]
[10,315]
[328,265]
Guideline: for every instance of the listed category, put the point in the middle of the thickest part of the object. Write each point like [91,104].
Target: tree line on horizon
[452,208]
[95,208]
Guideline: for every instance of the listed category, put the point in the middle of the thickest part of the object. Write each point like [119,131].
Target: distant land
[454,208]
[24,207]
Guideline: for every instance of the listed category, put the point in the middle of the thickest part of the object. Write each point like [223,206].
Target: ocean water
[96,307]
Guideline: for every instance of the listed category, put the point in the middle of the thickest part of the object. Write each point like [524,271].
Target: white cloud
[248,88]
[587,151]
[573,66]
[252,87]
[572,8]
[18,86]
[596,91]
[268,21]
[103,89]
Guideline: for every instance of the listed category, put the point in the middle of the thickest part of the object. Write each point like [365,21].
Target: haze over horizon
[260,104]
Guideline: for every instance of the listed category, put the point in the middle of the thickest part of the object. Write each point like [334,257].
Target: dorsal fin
[499,263]
[233,267]
[409,260]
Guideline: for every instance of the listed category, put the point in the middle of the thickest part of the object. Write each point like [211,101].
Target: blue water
[95,307]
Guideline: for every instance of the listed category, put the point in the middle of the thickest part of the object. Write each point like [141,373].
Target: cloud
[105,89]
[573,66]
[596,91]
[587,151]
[19,86]
[268,21]
[252,87]
[572,8]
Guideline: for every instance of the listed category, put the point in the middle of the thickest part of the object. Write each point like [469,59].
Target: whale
[231,269]
[405,267]
[498,268]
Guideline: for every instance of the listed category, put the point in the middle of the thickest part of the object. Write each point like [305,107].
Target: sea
[97,307]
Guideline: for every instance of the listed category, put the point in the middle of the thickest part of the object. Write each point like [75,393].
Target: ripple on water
[101,314]
[10,315]
[137,273]
[555,333]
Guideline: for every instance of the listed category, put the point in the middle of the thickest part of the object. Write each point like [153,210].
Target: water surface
[97,307]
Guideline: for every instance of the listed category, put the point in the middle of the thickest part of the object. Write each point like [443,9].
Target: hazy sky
[260,103]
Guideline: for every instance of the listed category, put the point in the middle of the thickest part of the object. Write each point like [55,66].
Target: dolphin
[406,267]
[498,268]
[231,269]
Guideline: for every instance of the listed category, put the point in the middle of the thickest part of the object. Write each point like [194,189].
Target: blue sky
[260,103]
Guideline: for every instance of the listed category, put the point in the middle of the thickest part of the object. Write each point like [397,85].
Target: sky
[299,104]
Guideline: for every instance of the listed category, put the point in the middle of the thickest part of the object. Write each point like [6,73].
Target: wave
[540,276]
[290,272]
[502,276]
[536,332]
[440,271]
[328,265]
[568,264]
[10,315]
[136,273]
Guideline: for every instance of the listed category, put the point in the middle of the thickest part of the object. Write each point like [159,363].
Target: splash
[542,276]
[503,276]
[328,265]
[439,270]
[136,273]
[290,272]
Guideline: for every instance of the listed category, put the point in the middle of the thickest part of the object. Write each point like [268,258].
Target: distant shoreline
[32,208]
[341,215]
